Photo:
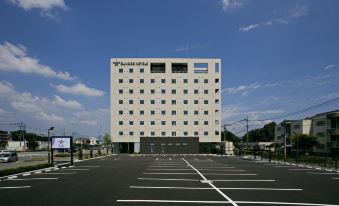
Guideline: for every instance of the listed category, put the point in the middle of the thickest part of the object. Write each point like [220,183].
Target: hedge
[13,171]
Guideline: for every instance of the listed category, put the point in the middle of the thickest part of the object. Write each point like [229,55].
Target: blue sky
[277,56]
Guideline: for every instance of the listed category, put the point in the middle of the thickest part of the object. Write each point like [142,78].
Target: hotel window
[205,133]
[206,91]
[152,81]
[174,112]
[216,67]
[142,81]
[152,101]
[121,70]
[196,101]
[142,91]
[121,91]
[152,122]
[185,134]
[152,112]
[163,133]
[174,123]
[206,112]
[121,81]
[174,134]
[121,112]
[163,122]
[205,122]
[163,101]
[196,112]
[174,81]
[142,112]
[163,91]
[185,112]
[142,133]
[121,123]
[217,101]
[130,112]
[196,123]
[196,133]
[174,91]
[130,91]
[179,68]
[216,122]
[121,101]
[152,91]
[130,101]
[185,81]
[142,70]
[142,122]
[174,102]
[185,91]
[216,132]
[130,80]
[130,70]
[158,67]
[196,91]
[131,133]
[152,133]
[163,112]
[121,133]
[217,80]
[205,101]
[163,81]
[130,122]
[206,81]
[185,122]
[185,101]
[196,81]
[142,101]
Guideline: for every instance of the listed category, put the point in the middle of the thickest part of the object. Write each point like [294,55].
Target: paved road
[167,180]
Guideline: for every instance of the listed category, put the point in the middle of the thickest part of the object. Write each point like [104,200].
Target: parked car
[9,157]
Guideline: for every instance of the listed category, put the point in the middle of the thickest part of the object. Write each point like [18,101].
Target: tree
[265,134]
[107,141]
[303,142]
[32,144]
[3,143]
[229,137]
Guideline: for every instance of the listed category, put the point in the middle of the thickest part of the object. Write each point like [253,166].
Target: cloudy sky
[277,56]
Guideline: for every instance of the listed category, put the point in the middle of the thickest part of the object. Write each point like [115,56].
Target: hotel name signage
[117,63]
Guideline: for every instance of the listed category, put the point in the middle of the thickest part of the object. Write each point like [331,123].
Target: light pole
[285,135]
[49,144]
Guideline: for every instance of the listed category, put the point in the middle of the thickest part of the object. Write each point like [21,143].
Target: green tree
[3,143]
[303,142]
[229,136]
[107,141]
[32,144]
[265,134]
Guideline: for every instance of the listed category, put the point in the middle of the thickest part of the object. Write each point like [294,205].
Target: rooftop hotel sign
[117,63]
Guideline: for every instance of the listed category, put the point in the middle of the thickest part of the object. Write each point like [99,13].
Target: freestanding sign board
[62,142]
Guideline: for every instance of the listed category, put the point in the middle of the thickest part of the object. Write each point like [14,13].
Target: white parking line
[77,169]
[302,169]
[335,178]
[94,166]
[161,179]
[230,174]
[42,178]
[285,166]
[323,173]
[59,173]
[258,180]
[168,169]
[169,173]
[19,187]
[214,168]
[225,202]
[212,185]
[224,188]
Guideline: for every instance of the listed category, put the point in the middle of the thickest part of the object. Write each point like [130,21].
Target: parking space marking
[253,180]
[162,179]
[323,173]
[335,178]
[169,173]
[224,188]
[77,169]
[212,185]
[94,166]
[168,169]
[230,174]
[282,166]
[59,173]
[42,178]
[301,169]
[19,187]
[214,168]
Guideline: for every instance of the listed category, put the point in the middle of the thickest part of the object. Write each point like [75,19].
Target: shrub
[12,171]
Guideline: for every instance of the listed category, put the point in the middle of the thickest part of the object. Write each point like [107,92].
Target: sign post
[62,142]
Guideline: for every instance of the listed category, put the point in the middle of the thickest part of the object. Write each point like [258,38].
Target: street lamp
[49,146]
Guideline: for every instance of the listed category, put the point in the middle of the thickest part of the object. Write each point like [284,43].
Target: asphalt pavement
[139,180]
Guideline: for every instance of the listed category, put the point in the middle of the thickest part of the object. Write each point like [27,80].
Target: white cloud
[14,59]
[50,118]
[329,66]
[46,6]
[187,48]
[89,123]
[231,111]
[232,4]
[71,104]
[242,89]
[79,89]
[296,12]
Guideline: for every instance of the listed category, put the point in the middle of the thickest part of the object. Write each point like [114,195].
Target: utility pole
[246,132]
[285,136]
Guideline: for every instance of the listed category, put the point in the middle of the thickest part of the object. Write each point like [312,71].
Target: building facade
[164,97]
[291,127]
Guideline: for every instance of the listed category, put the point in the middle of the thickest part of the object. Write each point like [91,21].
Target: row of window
[163,112]
[174,102]
[174,123]
[174,81]
[163,91]
[131,133]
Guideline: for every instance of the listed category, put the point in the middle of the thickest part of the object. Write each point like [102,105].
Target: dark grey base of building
[166,145]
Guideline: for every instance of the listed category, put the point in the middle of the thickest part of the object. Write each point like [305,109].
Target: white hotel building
[165,105]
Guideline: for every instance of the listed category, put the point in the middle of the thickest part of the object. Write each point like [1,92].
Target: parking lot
[173,180]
